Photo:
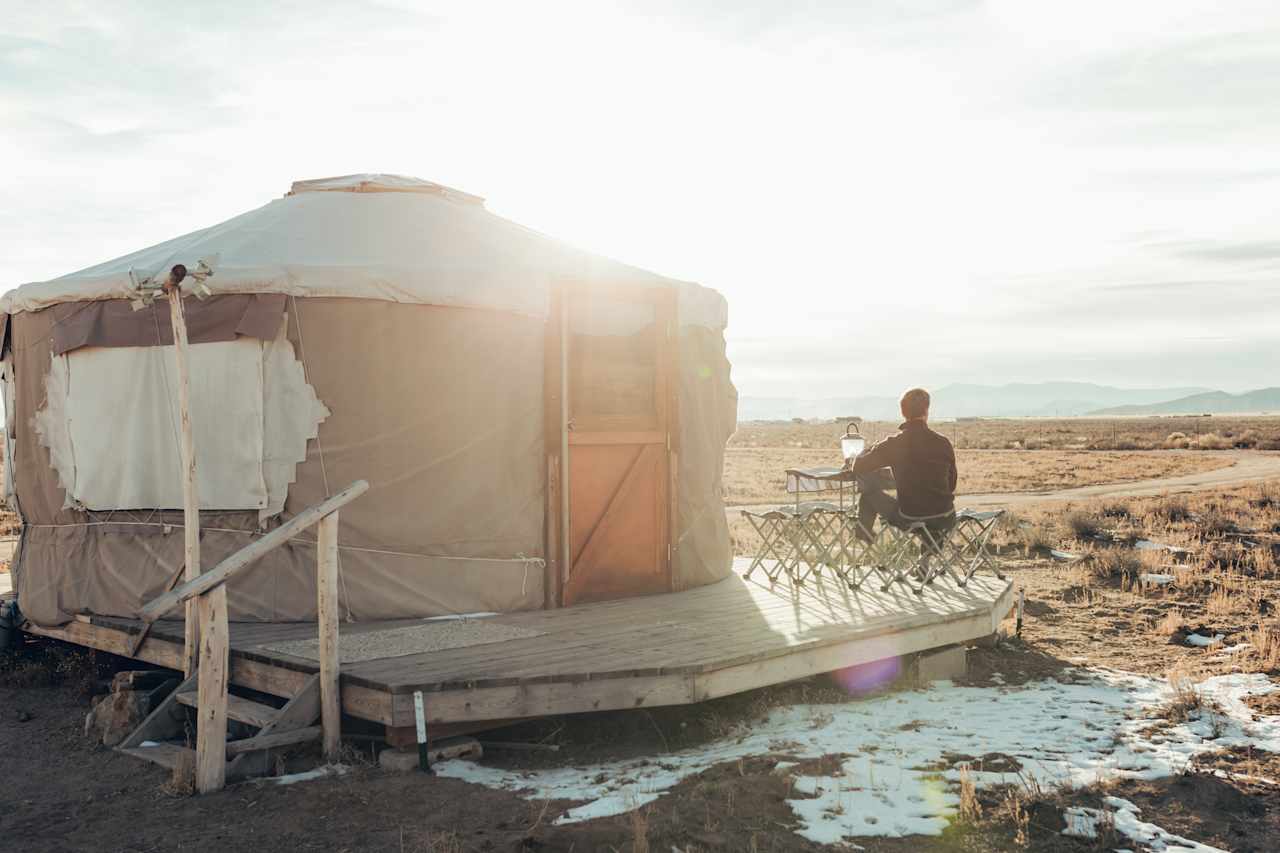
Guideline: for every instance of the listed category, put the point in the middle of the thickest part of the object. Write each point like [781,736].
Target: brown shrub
[1211,441]
[1082,525]
[1172,509]
[1115,562]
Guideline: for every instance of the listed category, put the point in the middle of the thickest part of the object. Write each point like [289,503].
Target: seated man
[924,469]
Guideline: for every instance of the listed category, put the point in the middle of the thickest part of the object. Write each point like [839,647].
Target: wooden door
[618,361]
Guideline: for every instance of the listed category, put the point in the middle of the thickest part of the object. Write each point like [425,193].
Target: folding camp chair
[778,543]
[955,548]
[918,551]
[795,538]
[817,527]
[852,558]
[971,535]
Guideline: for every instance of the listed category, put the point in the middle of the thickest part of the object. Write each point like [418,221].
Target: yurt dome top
[372,236]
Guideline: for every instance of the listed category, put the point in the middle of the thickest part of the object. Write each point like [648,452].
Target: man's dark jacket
[924,468]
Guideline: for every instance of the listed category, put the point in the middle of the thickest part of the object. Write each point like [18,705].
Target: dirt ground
[63,794]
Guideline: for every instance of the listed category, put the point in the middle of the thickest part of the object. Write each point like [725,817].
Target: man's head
[915,404]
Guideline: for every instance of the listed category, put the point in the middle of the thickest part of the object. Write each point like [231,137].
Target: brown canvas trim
[114,323]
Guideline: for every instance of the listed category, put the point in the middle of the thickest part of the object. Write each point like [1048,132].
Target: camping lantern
[852,443]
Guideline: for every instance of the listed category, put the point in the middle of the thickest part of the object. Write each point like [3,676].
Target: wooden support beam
[252,552]
[190,487]
[141,636]
[327,619]
[272,741]
[211,714]
[162,723]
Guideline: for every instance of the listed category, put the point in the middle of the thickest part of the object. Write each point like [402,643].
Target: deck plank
[653,649]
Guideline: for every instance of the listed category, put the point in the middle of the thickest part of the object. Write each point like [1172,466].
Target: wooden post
[327,619]
[566,543]
[206,616]
[190,487]
[553,431]
[211,728]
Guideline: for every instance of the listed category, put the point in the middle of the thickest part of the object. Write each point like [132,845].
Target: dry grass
[1082,525]
[1264,641]
[970,805]
[439,842]
[756,474]
[1185,702]
[1171,623]
[1038,435]
[1115,563]
[639,831]
[182,781]
[1221,602]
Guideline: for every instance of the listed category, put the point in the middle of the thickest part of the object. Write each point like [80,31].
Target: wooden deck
[657,650]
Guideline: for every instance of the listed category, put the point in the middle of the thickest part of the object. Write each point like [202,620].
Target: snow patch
[1148,545]
[1083,822]
[307,776]
[1202,641]
[897,778]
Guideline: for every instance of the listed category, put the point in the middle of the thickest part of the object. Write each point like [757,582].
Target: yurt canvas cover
[370,327]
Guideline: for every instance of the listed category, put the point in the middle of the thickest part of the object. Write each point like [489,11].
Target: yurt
[540,427]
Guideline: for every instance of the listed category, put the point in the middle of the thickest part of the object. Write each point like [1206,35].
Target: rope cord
[533,561]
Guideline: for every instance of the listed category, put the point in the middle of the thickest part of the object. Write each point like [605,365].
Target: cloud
[884,190]
[1228,252]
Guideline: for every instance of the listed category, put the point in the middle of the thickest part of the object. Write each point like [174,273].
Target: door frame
[558,429]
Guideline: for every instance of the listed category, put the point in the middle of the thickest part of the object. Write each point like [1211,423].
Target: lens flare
[868,677]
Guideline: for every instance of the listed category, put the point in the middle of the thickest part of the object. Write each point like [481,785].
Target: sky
[888,193]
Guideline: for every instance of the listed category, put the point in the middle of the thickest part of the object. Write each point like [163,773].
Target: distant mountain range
[1209,402]
[1038,400]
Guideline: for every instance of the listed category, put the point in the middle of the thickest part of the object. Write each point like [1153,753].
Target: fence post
[327,622]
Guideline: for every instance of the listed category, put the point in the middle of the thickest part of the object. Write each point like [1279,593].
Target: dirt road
[1247,467]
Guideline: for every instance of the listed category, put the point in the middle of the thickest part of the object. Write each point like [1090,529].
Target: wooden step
[164,754]
[273,740]
[238,708]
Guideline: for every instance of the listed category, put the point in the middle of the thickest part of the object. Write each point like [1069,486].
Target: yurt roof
[371,236]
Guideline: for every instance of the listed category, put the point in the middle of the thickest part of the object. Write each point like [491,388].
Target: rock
[942,664]
[139,679]
[116,715]
[398,760]
[25,716]
[403,760]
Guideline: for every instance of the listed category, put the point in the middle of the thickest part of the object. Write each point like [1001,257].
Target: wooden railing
[208,590]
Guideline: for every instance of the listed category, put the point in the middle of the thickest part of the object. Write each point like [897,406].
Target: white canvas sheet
[122,420]
[292,414]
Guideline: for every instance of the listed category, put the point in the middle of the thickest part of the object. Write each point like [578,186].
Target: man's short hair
[914,403]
